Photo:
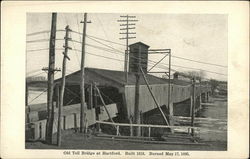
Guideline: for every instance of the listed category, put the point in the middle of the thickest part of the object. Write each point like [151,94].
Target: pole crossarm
[128,33]
[126,23]
[127,28]
[127,38]
[129,16]
[127,20]
[47,69]
[159,50]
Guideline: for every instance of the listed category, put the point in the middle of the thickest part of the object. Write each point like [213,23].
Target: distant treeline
[38,78]
[39,81]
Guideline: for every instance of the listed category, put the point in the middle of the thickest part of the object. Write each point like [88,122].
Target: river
[212,120]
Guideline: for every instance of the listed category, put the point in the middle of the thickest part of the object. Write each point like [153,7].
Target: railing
[118,125]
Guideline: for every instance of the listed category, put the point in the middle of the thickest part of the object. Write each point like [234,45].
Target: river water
[211,119]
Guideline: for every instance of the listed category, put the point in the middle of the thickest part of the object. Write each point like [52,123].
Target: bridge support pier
[207,94]
[170,112]
[199,102]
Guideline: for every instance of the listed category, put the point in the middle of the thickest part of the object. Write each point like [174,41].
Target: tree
[214,84]
[198,75]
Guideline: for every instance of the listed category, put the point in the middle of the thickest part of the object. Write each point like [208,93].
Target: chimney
[138,58]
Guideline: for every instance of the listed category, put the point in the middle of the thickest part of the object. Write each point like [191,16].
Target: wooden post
[98,91]
[50,119]
[131,127]
[64,122]
[127,53]
[191,103]
[91,96]
[137,95]
[110,118]
[193,106]
[75,122]
[26,94]
[136,109]
[82,74]
[149,131]
[96,109]
[59,116]
[117,130]
[163,115]
[65,57]
[141,119]
[169,79]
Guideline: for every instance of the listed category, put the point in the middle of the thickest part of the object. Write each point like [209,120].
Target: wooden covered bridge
[119,97]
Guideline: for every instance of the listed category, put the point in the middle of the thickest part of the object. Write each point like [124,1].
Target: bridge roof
[113,77]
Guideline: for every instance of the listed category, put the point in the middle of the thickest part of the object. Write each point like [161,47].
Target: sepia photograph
[124,79]
[110,81]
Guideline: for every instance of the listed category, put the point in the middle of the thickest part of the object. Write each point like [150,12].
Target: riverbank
[213,133]
[72,140]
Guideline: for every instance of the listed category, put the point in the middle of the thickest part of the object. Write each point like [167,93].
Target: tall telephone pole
[126,23]
[65,57]
[193,105]
[82,114]
[51,69]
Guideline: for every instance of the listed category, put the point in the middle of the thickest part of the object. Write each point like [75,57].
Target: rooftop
[107,77]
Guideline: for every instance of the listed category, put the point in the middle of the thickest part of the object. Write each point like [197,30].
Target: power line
[40,40]
[199,61]
[40,32]
[104,49]
[36,33]
[33,71]
[106,40]
[185,58]
[162,63]
[104,56]
[36,74]
[34,50]
[76,53]
[38,96]
[104,44]
[198,69]
[98,38]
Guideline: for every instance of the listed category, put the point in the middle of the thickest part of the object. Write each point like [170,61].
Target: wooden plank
[149,131]
[127,137]
[154,142]
[209,104]
[144,125]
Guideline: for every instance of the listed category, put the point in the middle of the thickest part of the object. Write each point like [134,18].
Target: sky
[200,37]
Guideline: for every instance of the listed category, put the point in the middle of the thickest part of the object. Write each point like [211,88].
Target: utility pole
[82,113]
[26,94]
[193,105]
[137,96]
[127,28]
[169,80]
[168,53]
[65,57]
[50,109]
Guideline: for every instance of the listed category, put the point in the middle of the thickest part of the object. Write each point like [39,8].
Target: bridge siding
[146,102]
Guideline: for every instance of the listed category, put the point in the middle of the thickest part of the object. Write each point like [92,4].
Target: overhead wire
[37,96]
[94,39]
[198,61]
